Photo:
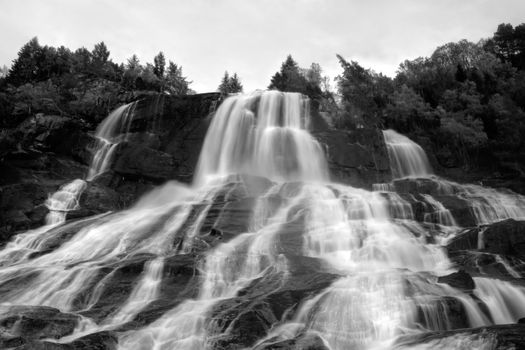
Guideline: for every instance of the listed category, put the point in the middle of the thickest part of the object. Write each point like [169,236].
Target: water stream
[385,262]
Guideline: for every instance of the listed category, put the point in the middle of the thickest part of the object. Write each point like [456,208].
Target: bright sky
[253,37]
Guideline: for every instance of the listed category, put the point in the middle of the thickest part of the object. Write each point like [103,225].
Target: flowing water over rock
[110,132]
[407,158]
[264,252]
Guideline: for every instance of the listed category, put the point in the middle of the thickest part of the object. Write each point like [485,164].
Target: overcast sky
[253,37]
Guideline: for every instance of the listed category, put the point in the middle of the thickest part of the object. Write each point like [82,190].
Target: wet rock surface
[500,337]
[358,158]
[505,237]
[45,152]
[165,138]
[239,322]
[460,280]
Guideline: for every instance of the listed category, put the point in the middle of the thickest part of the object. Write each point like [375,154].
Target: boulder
[460,280]
[460,209]
[465,240]
[506,237]
[36,322]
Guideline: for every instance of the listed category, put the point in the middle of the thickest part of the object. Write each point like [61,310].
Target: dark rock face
[96,341]
[20,326]
[466,240]
[251,314]
[22,196]
[140,161]
[301,342]
[501,337]
[460,280]
[97,198]
[50,133]
[499,241]
[45,152]
[505,237]
[358,158]
[173,125]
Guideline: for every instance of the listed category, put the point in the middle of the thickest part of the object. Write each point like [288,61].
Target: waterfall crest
[263,134]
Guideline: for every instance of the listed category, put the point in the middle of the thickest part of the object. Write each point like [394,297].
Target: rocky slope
[163,143]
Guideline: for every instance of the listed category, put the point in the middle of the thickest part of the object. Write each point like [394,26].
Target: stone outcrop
[505,237]
[46,151]
[460,280]
[358,158]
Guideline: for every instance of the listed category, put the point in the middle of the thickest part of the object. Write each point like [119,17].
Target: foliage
[364,94]
[82,83]
[230,84]
[466,98]
[292,78]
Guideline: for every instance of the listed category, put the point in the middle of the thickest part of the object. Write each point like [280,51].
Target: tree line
[464,99]
[84,83]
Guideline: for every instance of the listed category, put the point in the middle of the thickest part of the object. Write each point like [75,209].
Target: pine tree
[230,84]
[235,85]
[225,82]
[25,67]
[159,65]
[176,83]
[289,78]
[100,53]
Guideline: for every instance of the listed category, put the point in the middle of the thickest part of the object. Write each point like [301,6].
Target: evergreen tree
[25,66]
[100,65]
[159,63]
[133,63]
[229,84]
[132,71]
[176,83]
[100,53]
[224,85]
[81,60]
[235,84]
[289,78]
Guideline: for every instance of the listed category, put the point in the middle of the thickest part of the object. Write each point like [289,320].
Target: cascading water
[110,132]
[64,200]
[407,158]
[378,263]
[265,135]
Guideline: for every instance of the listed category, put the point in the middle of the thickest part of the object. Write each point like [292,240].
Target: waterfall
[64,200]
[260,219]
[109,133]
[407,158]
[113,129]
[265,135]
[409,163]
